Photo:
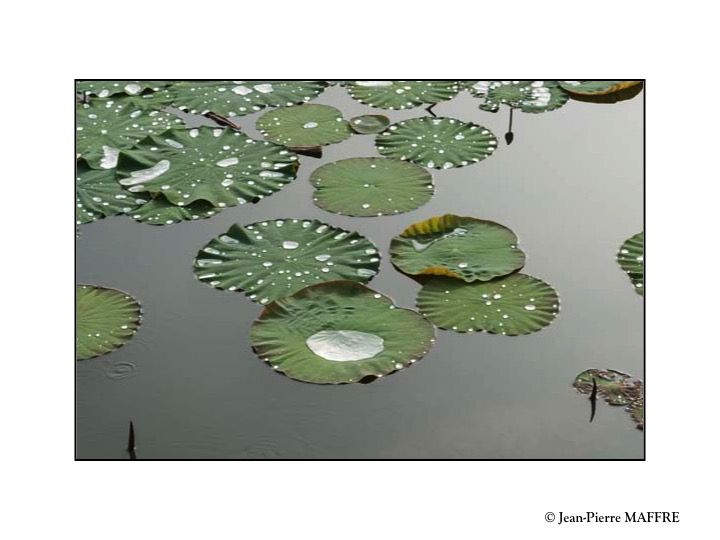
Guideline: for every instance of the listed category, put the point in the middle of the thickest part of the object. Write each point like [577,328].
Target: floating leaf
[98,194]
[402,94]
[304,126]
[160,211]
[273,259]
[439,143]
[219,166]
[106,126]
[238,98]
[105,319]
[369,123]
[371,186]
[105,89]
[339,332]
[616,388]
[512,305]
[461,247]
[528,96]
[631,258]
[596,88]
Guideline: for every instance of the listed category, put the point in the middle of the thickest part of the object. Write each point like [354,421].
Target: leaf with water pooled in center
[615,388]
[402,94]
[512,305]
[304,126]
[160,211]
[461,247]
[371,186]
[339,332]
[528,96]
[98,194]
[596,88]
[369,123]
[275,258]
[239,98]
[631,259]
[105,319]
[220,166]
[439,143]
[105,126]
[105,89]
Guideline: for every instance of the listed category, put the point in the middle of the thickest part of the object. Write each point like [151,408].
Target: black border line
[644,325]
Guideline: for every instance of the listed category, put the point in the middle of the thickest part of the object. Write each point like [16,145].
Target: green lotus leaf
[438,143]
[160,211]
[528,96]
[513,305]
[304,126]
[631,258]
[339,332]
[616,388]
[239,98]
[105,126]
[596,88]
[371,186]
[369,123]
[105,89]
[105,319]
[98,194]
[402,94]
[220,166]
[467,248]
[273,259]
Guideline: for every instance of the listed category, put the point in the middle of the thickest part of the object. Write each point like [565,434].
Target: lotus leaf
[513,305]
[339,332]
[273,259]
[304,126]
[220,166]
[105,126]
[371,186]
[105,319]
[402,94]
[98,194]
[528,96]
[616,388]
[467,248]
[631,258]
[439,143]
[239,98]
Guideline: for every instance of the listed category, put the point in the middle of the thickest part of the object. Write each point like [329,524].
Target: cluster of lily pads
[320,322]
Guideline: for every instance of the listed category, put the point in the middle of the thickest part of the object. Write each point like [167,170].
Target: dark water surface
[570,186]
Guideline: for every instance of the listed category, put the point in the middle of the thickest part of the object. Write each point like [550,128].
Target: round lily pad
[371,186]
[528,96]
[104,126]
[98,194]
[402,94]
[273,259]
[105,89]
[467,248]
[631,258]
[220,166]
[105,319]
[304,126]
[239,98]
[369,123]
[437,143]
[160,211]
[615,388]
[512,305]
[596,88]
[339,332]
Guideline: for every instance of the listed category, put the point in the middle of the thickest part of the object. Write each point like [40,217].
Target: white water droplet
[530,307]
[145,175]
[345,345]
[228,162]
[289,244]
[310,125]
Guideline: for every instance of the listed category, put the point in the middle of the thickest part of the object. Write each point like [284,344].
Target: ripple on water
[120,370]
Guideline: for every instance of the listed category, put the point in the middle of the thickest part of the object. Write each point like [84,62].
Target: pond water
[570,186]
